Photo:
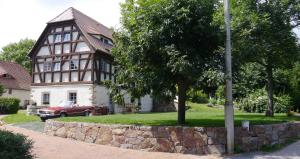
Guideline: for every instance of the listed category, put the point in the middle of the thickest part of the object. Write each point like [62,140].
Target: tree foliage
[17,52]
[262,33]
[163,44]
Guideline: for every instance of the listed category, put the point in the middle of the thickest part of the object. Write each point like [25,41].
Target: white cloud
[26,19]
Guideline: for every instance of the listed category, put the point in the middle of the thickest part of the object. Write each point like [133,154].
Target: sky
[22,19]
[27,18]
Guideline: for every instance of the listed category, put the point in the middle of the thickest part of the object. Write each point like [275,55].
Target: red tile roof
[20,78]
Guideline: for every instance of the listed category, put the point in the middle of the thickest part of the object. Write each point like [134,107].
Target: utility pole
[229,112]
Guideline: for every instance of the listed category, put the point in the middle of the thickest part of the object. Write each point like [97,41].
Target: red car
[65,108]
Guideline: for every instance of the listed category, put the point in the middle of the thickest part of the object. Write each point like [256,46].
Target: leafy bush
[198,96]
[9,105]
[14,146]
[257,102]
[213,101]
[282,104]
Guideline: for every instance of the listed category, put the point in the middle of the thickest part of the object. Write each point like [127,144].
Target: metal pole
[229,112]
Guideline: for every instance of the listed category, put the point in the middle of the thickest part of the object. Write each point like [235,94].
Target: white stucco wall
[20,94]
[87,94]
[61,92]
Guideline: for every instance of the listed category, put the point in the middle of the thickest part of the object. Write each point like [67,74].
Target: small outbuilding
[16,82]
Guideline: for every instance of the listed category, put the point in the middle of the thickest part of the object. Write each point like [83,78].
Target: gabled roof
[88,27]
[20,77]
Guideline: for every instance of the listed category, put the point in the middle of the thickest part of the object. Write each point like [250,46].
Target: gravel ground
[49,147]
[35,126]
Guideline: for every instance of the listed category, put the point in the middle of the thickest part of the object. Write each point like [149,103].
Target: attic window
[103,39]
[6,76]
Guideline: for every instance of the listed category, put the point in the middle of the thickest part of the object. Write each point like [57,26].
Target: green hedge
[9,105]
[14,146]
[257,102]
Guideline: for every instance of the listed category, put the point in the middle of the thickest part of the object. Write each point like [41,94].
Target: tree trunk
[270,111]
[182,88]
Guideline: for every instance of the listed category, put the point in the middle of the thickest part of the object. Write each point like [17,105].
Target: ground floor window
[73,97]
[9,91]
[46,98]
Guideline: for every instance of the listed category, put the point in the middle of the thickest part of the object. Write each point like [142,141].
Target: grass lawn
[20,117]
[198,115]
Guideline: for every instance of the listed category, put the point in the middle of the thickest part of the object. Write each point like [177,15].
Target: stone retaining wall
[192,140]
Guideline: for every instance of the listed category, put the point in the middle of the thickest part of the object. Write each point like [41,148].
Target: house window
[103,66]
[56,66]
[73,97]
[9,91]
[73,64]
[57,49]
[67,37]
[67,48]
[46,98]
[57,38]
[47,67]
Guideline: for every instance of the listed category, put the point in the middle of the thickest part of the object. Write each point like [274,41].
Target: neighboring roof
[21,78]
[88,26]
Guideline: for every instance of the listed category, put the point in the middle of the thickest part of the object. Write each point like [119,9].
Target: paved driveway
[49,147]
[290,152]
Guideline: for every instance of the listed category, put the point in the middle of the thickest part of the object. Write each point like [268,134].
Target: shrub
[9,105]
[257,102]
[198,96]
[14,146]
[282,104]
[213,101]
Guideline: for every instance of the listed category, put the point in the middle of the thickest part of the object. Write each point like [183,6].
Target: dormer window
[6,76]
[103,39]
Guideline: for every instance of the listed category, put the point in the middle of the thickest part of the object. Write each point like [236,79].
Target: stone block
[61,132]
[104,136]
[118,131]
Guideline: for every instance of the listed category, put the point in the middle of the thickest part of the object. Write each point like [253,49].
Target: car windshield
[65,104]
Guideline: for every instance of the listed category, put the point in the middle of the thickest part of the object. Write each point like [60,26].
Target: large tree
[165,44]
[17,52]
[262,33]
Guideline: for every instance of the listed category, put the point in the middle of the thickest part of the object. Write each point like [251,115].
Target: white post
[229,112]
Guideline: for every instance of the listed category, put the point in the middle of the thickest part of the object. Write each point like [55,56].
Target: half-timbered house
[70,60]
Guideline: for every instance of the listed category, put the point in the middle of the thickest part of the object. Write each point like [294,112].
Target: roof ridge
[70,8]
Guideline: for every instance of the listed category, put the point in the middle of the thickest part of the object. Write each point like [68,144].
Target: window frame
[9,91]
[72,62]
[56,35]
[71,97]
[54,66]
[64,36]
[49,65]
[43,99]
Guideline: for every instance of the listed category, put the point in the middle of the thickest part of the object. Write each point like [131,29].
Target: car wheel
[63,115]
[43,119]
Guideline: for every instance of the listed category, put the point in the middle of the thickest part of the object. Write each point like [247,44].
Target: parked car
[63,109]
